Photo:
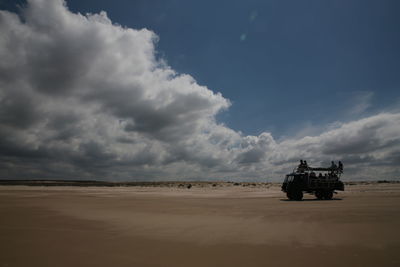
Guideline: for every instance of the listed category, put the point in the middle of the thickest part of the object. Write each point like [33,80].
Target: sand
[200,226]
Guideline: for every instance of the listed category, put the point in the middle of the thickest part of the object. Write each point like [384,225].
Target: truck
[304,179]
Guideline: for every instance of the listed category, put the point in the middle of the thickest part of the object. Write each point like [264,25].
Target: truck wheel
[328,195]
[298,195]
[295,195]
[319,195]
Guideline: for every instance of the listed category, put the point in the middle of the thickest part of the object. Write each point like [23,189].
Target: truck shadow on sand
[311,199]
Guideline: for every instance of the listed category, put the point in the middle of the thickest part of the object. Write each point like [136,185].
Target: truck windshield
[289,178]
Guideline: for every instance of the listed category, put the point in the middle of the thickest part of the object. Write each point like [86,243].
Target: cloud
[362,143]
[361,101]
[81,97]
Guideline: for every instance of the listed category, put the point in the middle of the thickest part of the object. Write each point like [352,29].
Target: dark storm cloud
[81,97]
[18,110]
[251,156]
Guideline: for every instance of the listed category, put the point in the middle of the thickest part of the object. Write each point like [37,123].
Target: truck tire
[295,195]
[319,195]
[299,195]
[328,195]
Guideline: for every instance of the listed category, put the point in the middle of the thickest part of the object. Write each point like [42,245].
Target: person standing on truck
[340,166]
[300,168]
[333,165]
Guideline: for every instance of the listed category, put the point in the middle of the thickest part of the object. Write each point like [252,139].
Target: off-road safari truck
[321,182]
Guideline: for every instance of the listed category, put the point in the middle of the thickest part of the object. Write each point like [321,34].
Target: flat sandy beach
[200,226]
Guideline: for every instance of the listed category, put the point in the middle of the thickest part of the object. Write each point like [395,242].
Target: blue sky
[81,96]
[298,63]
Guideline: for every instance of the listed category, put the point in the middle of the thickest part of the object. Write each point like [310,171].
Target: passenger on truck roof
[340,165]
[301,166]
[333,165]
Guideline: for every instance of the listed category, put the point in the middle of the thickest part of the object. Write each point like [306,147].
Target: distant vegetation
[179,184]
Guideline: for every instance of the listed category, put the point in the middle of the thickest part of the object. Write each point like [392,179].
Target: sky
[198,90]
